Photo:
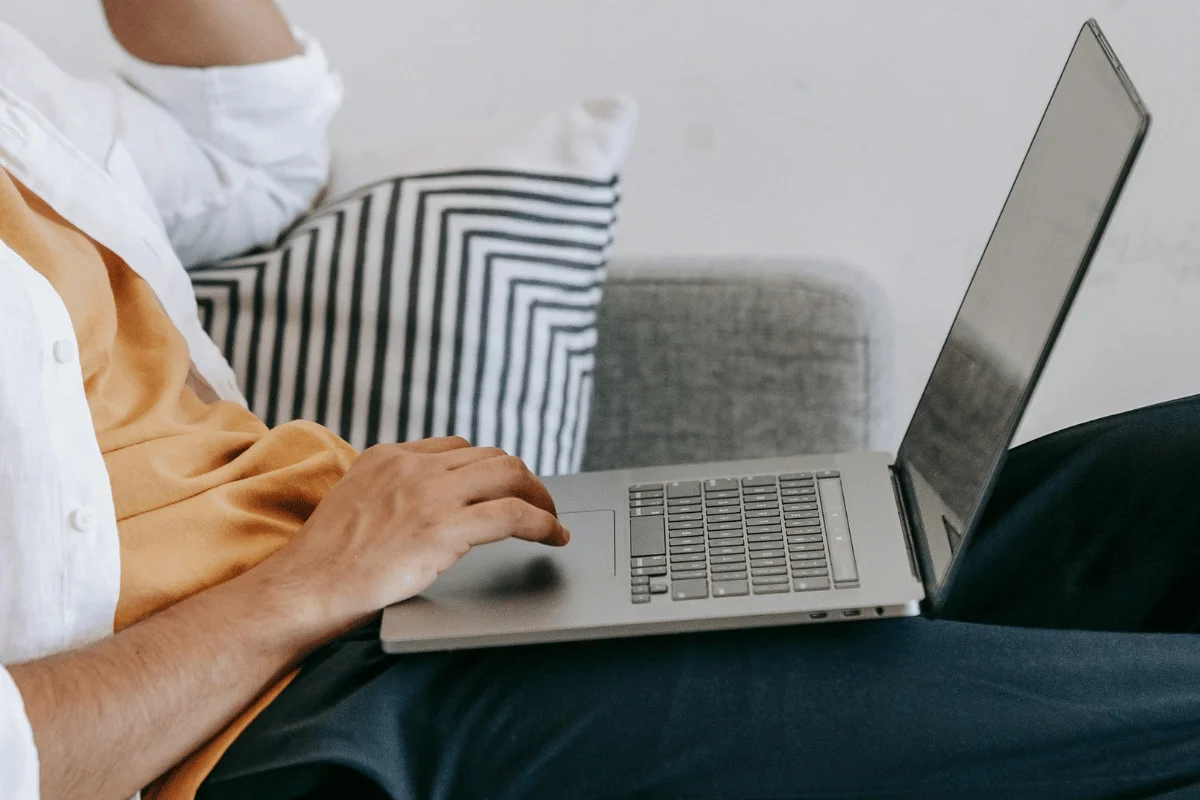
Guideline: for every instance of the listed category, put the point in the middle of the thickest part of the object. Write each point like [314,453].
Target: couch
[706,359]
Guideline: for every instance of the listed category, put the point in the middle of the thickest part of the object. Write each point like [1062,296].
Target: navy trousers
[1064,667]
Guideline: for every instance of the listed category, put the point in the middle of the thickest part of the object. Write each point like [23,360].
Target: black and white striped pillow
[459,302]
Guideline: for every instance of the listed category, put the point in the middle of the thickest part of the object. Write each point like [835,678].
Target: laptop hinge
[902,508]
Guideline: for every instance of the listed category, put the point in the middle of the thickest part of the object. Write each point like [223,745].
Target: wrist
[291,619]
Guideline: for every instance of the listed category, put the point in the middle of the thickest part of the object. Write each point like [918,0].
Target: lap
[1086,531]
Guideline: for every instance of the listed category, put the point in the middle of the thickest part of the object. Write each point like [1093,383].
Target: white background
[882,133]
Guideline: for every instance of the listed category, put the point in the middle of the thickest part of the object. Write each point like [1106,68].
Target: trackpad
[518,566]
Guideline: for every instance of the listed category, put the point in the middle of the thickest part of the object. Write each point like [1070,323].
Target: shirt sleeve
[231,155]
[18,754]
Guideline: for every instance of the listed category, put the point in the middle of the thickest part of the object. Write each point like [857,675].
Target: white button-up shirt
[164,166]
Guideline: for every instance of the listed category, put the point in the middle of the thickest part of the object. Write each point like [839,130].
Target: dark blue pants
[1064,668]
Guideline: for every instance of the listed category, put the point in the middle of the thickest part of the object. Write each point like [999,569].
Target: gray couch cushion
[727,359]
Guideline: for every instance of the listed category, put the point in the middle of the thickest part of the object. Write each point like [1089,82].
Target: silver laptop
[823,538]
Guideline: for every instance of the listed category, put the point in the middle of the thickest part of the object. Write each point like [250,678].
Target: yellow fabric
[202,491]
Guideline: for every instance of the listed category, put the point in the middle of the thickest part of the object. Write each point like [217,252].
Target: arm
[201,33]
[225,115]
[156,691]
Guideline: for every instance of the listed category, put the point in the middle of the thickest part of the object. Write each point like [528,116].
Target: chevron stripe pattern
[429,305]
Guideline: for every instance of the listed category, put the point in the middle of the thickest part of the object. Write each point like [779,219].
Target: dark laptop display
[1034,261]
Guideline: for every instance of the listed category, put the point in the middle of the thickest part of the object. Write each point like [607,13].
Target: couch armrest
[719,359]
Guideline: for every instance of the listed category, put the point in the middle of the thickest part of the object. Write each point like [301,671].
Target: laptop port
[818,614]
[851,612]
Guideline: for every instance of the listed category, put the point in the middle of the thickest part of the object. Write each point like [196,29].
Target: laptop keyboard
[767,534]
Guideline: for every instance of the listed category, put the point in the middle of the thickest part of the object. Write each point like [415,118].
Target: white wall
[882,133]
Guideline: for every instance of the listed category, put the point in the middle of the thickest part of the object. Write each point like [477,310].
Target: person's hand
[401,516]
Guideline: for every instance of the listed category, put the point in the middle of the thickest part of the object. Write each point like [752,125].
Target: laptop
[823,538]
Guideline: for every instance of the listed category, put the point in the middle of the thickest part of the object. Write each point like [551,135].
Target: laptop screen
[1028,273]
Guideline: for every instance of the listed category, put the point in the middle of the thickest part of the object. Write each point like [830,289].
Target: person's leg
[1093,527]
[899,709]
[913,708]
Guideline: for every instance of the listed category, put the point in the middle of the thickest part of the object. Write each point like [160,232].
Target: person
[189,599]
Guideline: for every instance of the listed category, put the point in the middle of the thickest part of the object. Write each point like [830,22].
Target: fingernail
[566,535]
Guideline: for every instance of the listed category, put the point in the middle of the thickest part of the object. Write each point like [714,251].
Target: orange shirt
[203,491]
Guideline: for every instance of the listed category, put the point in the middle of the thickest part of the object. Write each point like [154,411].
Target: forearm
[109,718]
[201,33]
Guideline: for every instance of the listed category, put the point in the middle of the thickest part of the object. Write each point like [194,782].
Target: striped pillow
[456,302]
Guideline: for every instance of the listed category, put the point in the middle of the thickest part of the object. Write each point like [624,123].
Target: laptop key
[648,561]
[647,501]
[759,480]
[762,505]
[729,495]
[772,527]
[640,588]
[724,526]
[646,495]
[655,511]
[685,525]
[749,491]
[686,548]
[730,588]
[729,566]
[646,537]
[689,575]
[806,539]
[720,484]
[811,555]
[810,573]
[653,572]
[724,518]
[684,558]
[841,551]
[688,539]
[767,545]
[659,587]
[776,538]
[766,580]
[639,580]
[689,589]
[755,570]
[799,507]
[762,513]
[726,550]
[761,555]
[694,516]
[683,489]
[641,598]
[646,487]
[771,588]
[770,562]
[798,491]
[729,576]
[736,533]
[796,476]
[729,559]
[722,502]
[810,584]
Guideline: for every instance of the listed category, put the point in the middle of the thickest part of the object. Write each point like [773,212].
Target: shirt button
[83,520]
[64,351]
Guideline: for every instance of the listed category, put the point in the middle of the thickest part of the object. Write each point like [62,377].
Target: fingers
[465,457]
[509,517]
[500,477]
[441,444]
